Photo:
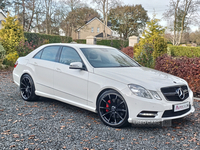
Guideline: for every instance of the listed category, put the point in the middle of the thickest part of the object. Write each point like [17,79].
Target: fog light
[150,114]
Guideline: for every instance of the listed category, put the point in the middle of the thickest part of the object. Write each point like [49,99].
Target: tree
[48,13]
[183,13]
[10,36]
[128,20]
[104,6]
[31,4]
[153,35]
[73,4]
[195,37]
[79,16]
[4,4]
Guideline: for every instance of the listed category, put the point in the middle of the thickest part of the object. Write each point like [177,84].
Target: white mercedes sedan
[104,80]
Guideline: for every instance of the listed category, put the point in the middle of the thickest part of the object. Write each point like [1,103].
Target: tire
[27,88]
[112,109]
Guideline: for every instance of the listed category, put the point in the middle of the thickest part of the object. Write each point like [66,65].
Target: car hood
[149,78]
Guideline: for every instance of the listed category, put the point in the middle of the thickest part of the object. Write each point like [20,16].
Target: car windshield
[107,57]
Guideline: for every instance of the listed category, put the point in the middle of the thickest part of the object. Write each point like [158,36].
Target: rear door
[43,63]
[70,84]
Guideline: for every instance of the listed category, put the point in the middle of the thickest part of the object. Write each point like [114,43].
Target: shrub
[152,35]
[160,47]
[12,58]
[183,67]
[178,51]
[11,34]
[146,58]
[158,43]
[2,55]
[119,44]
[24,48]
[37,38]
[128,51]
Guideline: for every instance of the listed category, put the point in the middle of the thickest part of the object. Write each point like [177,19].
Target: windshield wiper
[124,66]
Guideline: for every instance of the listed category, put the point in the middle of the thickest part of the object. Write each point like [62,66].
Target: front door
[70,84]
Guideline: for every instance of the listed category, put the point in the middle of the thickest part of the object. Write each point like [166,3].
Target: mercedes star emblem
[180,93]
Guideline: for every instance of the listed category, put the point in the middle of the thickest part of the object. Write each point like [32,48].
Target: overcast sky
[160,6]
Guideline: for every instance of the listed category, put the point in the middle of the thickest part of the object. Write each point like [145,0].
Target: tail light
[16,64]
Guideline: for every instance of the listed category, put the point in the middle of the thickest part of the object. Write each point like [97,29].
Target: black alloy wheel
[27,88]
[112,109]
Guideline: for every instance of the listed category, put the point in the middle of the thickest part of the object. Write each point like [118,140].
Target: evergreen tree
[10,36]
[152,37]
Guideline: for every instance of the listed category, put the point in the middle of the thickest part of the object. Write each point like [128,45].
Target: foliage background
[113,43]
[177,51]
[36,38]
[183,67]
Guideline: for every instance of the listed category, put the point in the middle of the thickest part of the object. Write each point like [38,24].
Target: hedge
[37,38]
[80,41]
[113,43]
[178,51]
[183,67]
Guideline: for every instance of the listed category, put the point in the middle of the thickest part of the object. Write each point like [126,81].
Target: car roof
[78,45]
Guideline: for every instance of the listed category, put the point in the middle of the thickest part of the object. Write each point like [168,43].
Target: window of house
[92,29]
[98,30]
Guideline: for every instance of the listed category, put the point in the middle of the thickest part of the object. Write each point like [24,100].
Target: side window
[49,53]
[38,55]
[69,55]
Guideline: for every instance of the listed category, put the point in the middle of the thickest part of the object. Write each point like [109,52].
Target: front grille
[171,94]
[171,113]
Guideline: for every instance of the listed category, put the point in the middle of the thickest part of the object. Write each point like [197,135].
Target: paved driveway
[49,124]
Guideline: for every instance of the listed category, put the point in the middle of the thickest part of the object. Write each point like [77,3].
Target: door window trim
[59,56]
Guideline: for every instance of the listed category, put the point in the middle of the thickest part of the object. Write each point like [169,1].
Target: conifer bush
[2,55]
[146,58]
[10,36]
[153,36]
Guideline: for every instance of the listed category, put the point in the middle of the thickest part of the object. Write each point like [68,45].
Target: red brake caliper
[107,106]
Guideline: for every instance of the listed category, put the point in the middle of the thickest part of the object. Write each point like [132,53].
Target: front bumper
[158,119]
[164,109]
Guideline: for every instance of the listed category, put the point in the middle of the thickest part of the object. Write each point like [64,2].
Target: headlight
[139,91]
[155,95]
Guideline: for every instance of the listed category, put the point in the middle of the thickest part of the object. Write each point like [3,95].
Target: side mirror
[76,65]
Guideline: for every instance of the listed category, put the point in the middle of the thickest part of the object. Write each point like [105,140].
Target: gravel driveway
[50,124]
